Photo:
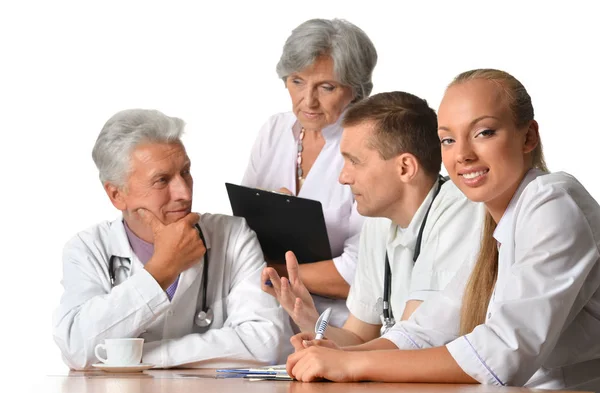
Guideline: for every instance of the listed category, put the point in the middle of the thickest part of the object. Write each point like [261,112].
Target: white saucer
[134,368]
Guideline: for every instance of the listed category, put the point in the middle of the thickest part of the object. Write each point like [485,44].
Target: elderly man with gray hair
[326,66]
[147,274]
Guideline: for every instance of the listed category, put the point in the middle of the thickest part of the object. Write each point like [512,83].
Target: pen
[262,370]
[244,370]
[322,323]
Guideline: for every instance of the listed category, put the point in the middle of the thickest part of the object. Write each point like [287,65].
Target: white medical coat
[542,328]
[451,238]
[248,325]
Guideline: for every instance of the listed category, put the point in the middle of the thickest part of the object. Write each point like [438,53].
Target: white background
[66,67]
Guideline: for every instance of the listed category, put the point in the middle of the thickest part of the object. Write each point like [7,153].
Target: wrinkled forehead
[473,99]
[159,156]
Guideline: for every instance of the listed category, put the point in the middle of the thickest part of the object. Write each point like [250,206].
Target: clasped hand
[321,359]
[177,247]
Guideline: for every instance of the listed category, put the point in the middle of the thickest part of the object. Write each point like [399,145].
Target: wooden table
[204,381]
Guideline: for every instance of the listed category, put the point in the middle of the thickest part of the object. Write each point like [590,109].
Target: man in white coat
[422,228]
[188,285]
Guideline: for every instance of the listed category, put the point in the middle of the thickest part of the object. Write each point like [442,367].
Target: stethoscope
[384,304]
[206,315]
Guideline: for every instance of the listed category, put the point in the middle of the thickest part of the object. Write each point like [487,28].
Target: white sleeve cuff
[422,295]
[346,270]
[362,310]
[469,360]
[400,337]
[423,281]
[150,292]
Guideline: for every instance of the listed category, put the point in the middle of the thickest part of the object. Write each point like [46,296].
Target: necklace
[299,159]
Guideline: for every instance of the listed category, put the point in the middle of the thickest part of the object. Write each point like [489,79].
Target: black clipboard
[282,223]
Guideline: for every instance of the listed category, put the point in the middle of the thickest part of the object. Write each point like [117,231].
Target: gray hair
[354,55]
[126,130]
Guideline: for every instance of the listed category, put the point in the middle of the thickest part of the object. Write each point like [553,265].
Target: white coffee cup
[121,351]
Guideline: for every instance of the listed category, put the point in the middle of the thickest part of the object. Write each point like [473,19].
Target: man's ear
[532,137]
[407,166]
[116,196]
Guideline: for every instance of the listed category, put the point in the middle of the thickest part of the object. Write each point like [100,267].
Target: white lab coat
[542,328]
[248,325]
[451,238]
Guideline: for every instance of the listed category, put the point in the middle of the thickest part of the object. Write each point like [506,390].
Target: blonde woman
[528,312]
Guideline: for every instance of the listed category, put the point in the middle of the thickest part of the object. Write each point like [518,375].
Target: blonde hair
[478,290]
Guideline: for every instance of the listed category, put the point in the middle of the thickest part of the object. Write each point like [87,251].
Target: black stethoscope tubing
[388,315]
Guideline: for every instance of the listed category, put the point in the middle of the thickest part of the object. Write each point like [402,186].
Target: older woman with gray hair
[147,273]
[326,66]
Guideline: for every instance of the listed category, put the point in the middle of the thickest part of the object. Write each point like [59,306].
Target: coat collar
[505,226]
[407,237]
[118,245]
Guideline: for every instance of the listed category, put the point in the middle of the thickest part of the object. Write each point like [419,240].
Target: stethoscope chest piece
[387,324]
[204,318]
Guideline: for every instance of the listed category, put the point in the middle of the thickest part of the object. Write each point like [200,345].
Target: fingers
[291,362]
[287,297]
[297,344]
[306,371]
[265,282]
[156,225]
[275,280]
[320,343]
[192,218]
[298,340]
[304,316]
[298,307]
[308,309]
[291,264]
[302,365]
[284,190]
[298,288]
[150,219]
[271,275]
[310,343]
[305,340]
